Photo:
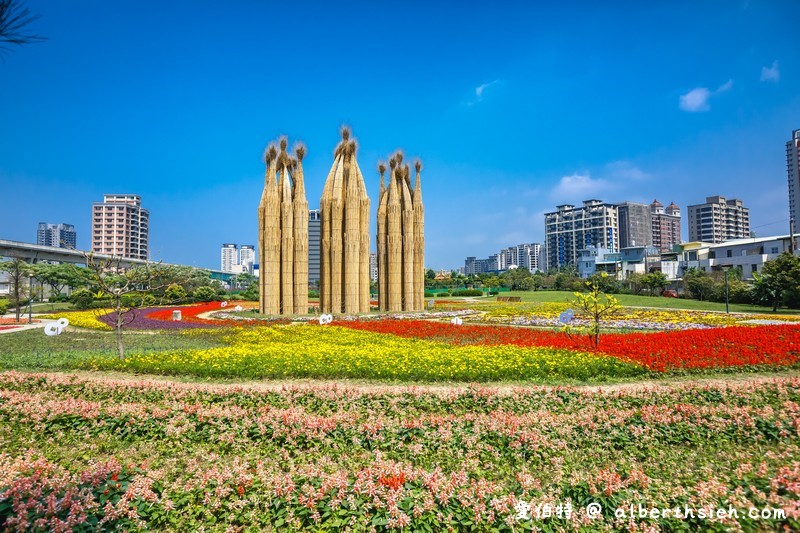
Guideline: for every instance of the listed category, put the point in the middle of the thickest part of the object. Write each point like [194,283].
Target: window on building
[774,250]
[730,253]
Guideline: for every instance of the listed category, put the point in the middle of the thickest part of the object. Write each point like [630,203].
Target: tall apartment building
[373,267]
[480,266]
[718,220]
[247,257]
[570,229]
[666,225]
[58,235]
[635,224]
[313,245]
[793,173]
[120,226]
[526,255]
[229,257]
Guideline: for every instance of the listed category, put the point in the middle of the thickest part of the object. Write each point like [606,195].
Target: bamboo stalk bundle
[287,232]
[337,237]
[381,242]
[270,293]
[300,236]
[363,267]
[283,234]
[408,241]
[352,233]
[401,241]
[345,228]
[419,241]
[325,238]
[394,228]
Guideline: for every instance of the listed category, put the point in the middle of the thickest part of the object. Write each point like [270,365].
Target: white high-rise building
[120,226]
[247,257]
[58,235]
[229,258]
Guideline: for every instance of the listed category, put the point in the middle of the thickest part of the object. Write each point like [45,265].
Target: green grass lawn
[32,350]
[630,300]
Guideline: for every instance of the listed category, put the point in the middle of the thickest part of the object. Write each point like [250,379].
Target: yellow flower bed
[83,319]
[314,351]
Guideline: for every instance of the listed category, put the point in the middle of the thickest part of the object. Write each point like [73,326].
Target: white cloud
[727,86]
[625,170]
[772,73]
[578,187]
[481,91]
[696,100]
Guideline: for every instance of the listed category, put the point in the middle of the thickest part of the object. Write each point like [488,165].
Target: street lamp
[725,269]
[30,298]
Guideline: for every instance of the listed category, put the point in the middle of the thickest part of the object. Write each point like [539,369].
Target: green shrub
[175,293]
[468,292]
[137,299]
[82,299]
[313,294]
[3,306]
[204,294]
[429,294]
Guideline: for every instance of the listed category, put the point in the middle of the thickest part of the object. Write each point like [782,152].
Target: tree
[243,280]
[779,281]
[517,279]
[635,282]
[655,281]
[699,284]
[596,305]
[18,274]
[58,277]
[430,274]
[14,17]
[118,284]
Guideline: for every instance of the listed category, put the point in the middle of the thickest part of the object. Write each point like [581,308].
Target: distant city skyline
[513,109]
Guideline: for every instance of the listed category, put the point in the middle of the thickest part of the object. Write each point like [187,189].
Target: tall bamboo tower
[283,234]
[344,254]
[401,238]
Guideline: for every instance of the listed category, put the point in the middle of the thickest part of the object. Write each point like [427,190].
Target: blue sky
[512,108]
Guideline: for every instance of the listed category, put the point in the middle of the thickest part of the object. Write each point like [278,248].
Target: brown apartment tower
[120,226]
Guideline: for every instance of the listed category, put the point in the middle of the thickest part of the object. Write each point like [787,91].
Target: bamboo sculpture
[344,254]
[401,241]
[283,234]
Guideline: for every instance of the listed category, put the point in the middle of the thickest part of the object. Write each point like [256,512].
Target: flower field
[398,349]
[772,345]
[313,351]
[545,314]
[83,454]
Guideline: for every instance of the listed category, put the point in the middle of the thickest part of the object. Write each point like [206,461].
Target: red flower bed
[22,320]
[9,327]
[666,350]
[190,314]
